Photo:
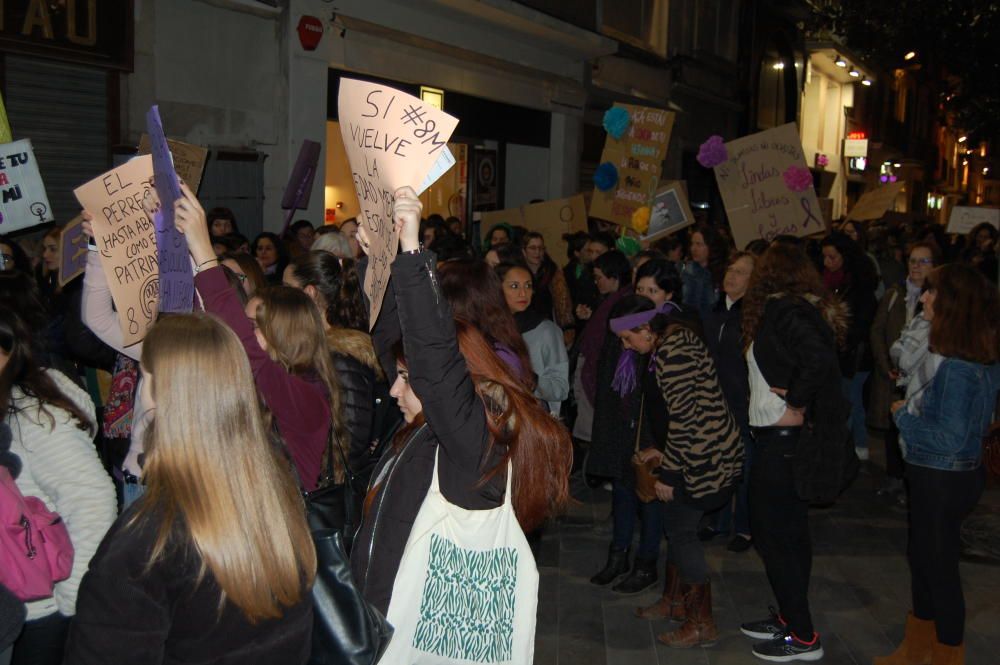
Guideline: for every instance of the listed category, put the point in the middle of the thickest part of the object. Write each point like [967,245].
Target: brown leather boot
[699,628]
[942,654]
[671,603]
[917,645]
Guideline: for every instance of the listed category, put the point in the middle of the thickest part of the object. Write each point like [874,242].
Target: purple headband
[630,321]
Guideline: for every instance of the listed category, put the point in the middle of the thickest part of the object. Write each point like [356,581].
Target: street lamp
[854,73]
[910,56]
[866,82]
[840,62]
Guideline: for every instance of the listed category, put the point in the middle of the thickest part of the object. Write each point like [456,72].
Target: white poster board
[23,202]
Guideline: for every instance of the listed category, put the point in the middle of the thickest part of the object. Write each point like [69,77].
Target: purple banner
[176,276]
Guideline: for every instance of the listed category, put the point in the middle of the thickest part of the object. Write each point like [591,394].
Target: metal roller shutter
[63,109]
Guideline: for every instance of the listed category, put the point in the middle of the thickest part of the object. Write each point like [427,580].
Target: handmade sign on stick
[72,251]
[629,173]
[765,184]
[876,202]
[189,160]
[126,242]
[392,140]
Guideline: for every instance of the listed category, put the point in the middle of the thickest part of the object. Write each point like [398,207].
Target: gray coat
[890,319]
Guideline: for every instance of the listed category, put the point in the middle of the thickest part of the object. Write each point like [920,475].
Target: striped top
[703,442]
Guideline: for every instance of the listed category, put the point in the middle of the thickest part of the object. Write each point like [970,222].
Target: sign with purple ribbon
[766,186]
[176,276]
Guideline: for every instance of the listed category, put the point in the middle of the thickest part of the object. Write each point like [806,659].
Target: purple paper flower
[605,177]
[797,179]
[616,121]
[712,152]
[822,160]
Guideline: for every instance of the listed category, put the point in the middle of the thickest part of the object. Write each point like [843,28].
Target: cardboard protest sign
[23,201]
[176,275]
[876,202]
[72,251]
[638,157]
[490,218]
[392,140]
[189,160]
[126,242]
[767,188]
[5,133]
[965,218]
[554,218]
[669,212]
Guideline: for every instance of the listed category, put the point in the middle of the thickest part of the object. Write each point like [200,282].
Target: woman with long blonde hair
[214,563]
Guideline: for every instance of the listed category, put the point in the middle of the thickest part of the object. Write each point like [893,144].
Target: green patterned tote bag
[467,587]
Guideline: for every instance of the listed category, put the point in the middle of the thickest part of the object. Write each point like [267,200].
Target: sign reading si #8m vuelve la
[392,140]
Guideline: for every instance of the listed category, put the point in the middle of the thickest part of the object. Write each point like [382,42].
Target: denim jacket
[956,411]
[698,292]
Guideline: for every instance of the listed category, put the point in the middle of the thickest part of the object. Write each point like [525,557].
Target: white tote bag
[467,587]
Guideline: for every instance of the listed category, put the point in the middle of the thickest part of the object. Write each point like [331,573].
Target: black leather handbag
[346,629]
[334,505]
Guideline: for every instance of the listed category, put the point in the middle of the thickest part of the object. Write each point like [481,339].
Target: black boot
[642,577]
[617,565]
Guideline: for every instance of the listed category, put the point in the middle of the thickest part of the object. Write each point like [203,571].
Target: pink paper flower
[712,152]
[822,160]
[797,179]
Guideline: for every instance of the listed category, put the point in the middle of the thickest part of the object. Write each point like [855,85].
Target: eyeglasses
[921,262]
[6,261]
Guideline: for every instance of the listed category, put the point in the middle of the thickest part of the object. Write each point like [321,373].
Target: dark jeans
[740,504]
[893,455]
[779,520]
[626,507]
[684,550]
[939,502]
[42,641]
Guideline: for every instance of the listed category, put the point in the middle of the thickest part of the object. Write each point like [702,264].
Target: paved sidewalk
[859,592]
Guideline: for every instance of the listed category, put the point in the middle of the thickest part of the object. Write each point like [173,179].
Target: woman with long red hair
[469,422]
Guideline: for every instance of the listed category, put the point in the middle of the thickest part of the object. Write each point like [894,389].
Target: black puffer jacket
[415,311]
[362,388]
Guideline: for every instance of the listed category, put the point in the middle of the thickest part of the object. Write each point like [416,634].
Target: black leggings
[939,502]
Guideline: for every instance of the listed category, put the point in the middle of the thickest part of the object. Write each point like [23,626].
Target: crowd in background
[687,373]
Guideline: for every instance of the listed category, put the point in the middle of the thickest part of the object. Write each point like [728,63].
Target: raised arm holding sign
[392,141]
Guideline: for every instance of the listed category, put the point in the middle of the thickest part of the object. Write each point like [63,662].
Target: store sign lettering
[100,31]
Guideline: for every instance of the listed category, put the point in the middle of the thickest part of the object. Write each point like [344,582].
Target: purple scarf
[592,339]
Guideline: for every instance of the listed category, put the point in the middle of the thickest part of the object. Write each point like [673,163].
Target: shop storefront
[836,146]
[60,68]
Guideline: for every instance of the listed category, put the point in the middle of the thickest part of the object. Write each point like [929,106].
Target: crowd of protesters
[713,392]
